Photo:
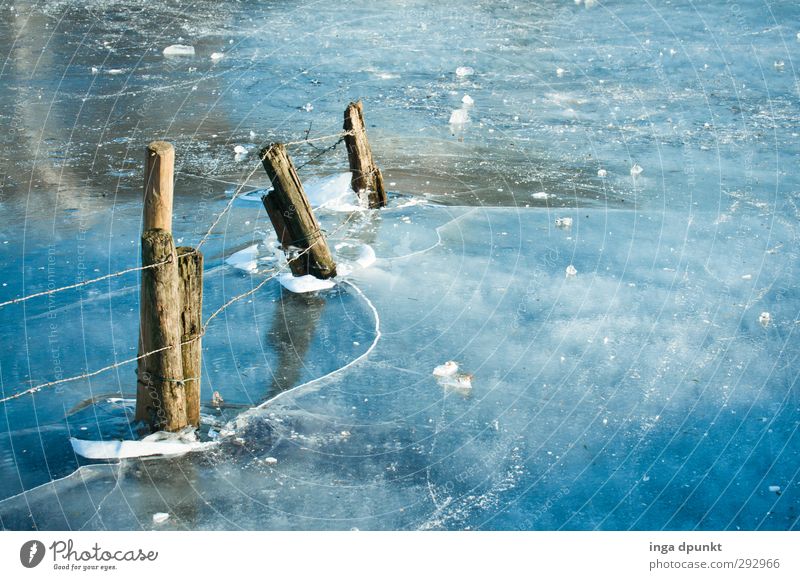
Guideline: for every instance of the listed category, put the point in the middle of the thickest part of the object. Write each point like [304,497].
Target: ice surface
[642,393]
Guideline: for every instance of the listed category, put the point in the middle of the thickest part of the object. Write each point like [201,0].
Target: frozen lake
[594,210]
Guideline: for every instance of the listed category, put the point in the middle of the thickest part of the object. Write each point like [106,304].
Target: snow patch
[302,284]
[161,443]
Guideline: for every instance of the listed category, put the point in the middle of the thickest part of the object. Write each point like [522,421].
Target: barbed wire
[341,135]
[85,282]
[220,310]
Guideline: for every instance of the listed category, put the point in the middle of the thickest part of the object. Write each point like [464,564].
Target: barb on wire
[84,283]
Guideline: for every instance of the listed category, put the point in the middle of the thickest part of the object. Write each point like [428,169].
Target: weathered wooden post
[163,404]
[367,179]
[190,290]
[159,174]
[160,396]
[291,216]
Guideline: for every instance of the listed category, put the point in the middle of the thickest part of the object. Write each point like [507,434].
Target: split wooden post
[367,180]
[190,290]
[291,216]
[160,396]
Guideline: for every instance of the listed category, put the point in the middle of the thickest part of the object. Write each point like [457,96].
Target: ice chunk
[245,260]
[254,195]
[560,72]
[775,488]
[465,71]
[161,443]
[467,100]
[636,170]
[565,222]
[240,150]
[302,284]
[179,50]
[764,319]
[160,517]
[270,461]
[447,369]
[602,173]
[367,256]
[308,107]
[460,382]
[459,117]
[542,195]
[217,55]
[571,271]
[332,193]
[747,277]
[779,64]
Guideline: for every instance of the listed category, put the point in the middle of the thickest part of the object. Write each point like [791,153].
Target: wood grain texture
[292,218]
[367,180]
[190,289]
[159,169]
[160,400]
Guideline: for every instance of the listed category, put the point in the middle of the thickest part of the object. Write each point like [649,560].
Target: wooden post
[190,290]
[160,397]
[158,177]
[292,218]
[367,179]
